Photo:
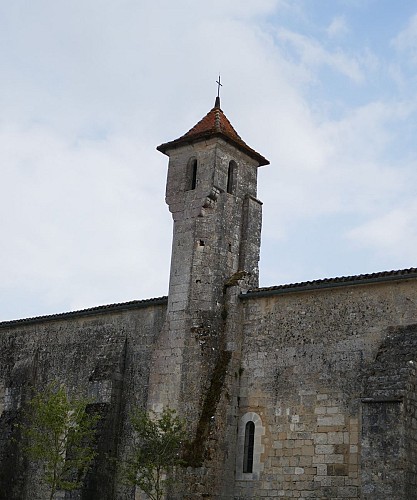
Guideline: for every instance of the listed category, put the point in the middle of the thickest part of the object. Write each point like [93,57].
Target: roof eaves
[92,311]
[357,280]
[202,136]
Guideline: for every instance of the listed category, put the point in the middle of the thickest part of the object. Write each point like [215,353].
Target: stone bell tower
[211,193]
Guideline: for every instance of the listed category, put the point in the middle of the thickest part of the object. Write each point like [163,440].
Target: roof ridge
[118,306]
[353,279]
[214,123]
[217,122]
[396,274]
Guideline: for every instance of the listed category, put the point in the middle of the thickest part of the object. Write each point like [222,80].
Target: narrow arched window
[249,447]
[231,177]
[192,174]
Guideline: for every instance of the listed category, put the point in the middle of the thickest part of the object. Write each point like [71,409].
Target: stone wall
[102,354]
[327,371]
[327,376]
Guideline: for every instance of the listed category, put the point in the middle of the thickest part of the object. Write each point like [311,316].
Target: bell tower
[211,192]
[212,195]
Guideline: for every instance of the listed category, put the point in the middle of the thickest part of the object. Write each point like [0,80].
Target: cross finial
[219,84]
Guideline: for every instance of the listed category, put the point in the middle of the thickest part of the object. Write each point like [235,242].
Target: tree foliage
[157,451]
[60,435]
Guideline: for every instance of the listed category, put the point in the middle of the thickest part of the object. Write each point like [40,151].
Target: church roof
[91,311]
[359,279]
[214,124]
[304,286]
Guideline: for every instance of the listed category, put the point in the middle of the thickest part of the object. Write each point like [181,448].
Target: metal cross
[218,86]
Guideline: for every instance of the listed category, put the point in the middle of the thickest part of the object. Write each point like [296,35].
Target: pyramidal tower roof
[214,124]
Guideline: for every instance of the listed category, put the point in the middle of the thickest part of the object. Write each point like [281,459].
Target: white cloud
[337,28]
[78,219]
[352,176]
[406,40]
[392,234]
[314,54]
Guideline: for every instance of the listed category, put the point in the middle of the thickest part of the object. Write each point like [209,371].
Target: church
[305,390]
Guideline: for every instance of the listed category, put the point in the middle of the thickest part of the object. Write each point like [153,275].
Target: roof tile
[121,306]
[359,279]
[214,124]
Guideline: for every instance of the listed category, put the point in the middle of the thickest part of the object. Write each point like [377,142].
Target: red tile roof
[214,121]
[214,124]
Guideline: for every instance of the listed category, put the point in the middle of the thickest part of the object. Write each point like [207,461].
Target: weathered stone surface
[329,368]
[106,356]
[290,392]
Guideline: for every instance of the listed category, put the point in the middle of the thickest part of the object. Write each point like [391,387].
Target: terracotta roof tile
[215,121]
[214,124]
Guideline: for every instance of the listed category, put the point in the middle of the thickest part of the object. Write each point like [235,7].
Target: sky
[324,89]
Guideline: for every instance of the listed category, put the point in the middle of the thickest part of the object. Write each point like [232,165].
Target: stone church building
[305,390]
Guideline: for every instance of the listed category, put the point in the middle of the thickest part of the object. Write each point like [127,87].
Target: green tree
[60,435]
[157,451]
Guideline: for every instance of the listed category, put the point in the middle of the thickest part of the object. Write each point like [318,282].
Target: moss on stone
[195,450]
[235,278]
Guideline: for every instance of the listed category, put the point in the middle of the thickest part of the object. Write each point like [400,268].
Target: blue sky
[324,89]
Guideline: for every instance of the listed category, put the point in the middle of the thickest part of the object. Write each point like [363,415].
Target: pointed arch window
[231,177]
